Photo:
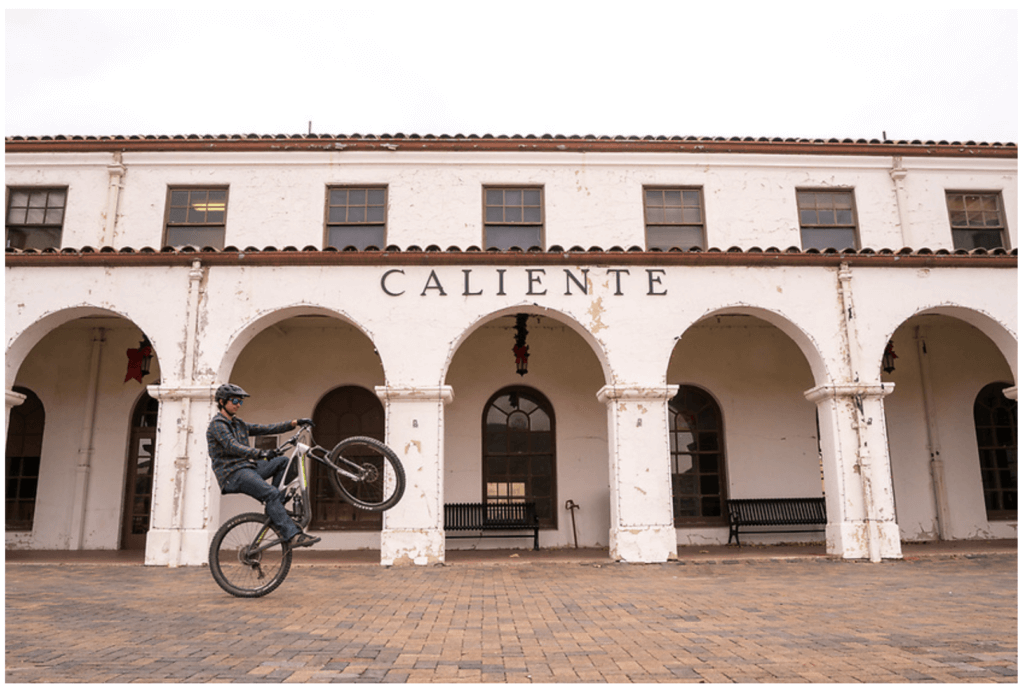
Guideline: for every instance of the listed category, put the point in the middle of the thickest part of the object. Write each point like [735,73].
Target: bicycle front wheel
[383,477]
[238,561]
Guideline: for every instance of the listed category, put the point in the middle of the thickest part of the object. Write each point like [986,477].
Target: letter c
[384,278]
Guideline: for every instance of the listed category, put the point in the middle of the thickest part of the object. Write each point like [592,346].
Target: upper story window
[513,217]
[356,217]
[35,217]
[827,219]
[196,216]
[976,220]
[673,218]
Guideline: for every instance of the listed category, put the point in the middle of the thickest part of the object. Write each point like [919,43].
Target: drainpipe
[79,501]
[116,171]
[898,173]
[181,461]
[863,457]
[934,448]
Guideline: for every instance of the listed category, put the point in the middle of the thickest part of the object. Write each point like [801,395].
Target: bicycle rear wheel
[236,564]
[383,481]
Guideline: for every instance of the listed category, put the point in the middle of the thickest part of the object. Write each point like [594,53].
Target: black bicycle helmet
[228,391]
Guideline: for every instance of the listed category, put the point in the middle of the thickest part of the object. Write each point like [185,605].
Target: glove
[305,421]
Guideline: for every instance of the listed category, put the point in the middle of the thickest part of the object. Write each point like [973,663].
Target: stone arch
[243,336]
[997,332]
[20,345]
[533,310]
[806,342]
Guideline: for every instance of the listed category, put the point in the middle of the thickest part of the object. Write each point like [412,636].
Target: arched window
[138,493]
[347,411]
[995,422]
[698,458]
[24,449]
[519,451]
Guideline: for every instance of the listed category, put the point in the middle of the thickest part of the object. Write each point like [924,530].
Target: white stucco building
[707,320]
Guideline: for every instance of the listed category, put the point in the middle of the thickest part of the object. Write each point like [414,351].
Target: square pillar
[185,511]
[858,482]
[414,529]
[642,529]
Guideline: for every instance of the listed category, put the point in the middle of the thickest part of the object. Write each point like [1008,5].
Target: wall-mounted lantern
[889,358]
[520,349]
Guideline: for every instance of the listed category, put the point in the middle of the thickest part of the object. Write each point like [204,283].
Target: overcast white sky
[641,67]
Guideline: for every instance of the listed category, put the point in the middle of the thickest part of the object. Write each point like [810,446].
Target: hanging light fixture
[520,349]
[889,358]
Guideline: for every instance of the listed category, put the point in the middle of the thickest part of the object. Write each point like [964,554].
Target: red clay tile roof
[487,142]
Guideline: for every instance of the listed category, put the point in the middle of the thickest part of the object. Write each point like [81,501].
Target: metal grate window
[995,423]
[196,217]
[827,219]
[35,217]
[674,218]
[519,451]
[695,441]
[976,220]
[356,217]
[513,217]
[24,452]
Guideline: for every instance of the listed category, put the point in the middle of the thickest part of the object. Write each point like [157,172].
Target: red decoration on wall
[139,360]
[520,349]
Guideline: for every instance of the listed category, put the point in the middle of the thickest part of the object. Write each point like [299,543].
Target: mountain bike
[249,558]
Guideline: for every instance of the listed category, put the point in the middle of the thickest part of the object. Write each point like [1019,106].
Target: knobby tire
[387,484]
[253,576]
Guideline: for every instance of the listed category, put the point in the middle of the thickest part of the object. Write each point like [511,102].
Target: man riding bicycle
[242,469]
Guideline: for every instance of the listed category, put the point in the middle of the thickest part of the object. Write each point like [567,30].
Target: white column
[640,470]
[414,529]
[858,483]
[185,510]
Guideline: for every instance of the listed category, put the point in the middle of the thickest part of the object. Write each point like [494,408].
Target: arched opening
[83,364]
[138,490]
[24,452]
[740,426]
[564,375]
[315,365]
[941,363]
[519,456]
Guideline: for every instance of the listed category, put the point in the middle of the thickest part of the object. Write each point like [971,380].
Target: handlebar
[302,427]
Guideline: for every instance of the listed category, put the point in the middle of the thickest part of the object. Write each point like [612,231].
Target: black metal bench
[775,515]
[489,518]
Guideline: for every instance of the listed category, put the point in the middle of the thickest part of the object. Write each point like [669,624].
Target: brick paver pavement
[941,618]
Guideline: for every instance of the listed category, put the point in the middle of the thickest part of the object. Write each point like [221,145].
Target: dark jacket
[228,442]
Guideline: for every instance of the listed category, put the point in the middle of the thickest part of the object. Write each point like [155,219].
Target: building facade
[698,320]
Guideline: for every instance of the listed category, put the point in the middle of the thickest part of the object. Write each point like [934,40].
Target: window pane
[196,236]
[823,238]
[359,237]
[504,237]
[667,237]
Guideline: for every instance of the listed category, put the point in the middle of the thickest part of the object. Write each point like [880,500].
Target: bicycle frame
[298,488]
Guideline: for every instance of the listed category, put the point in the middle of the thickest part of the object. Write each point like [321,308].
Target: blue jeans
[254,483]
